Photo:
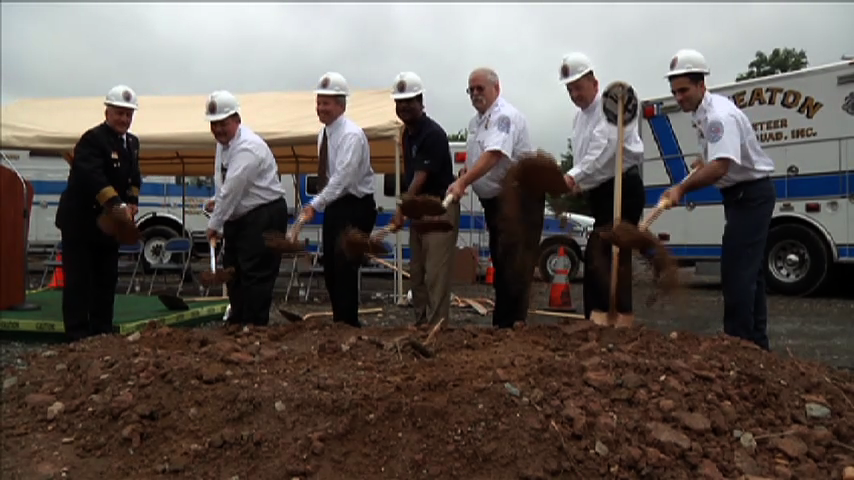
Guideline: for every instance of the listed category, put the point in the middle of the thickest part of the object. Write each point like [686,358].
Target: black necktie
[323,163]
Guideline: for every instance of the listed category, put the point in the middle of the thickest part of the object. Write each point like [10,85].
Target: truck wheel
[549,254]
[154,239]
[797,260]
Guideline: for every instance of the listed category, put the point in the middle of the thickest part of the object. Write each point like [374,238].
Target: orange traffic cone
[559,296]
[58,280]
[490,273]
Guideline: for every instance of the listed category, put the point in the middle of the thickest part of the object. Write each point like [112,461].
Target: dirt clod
[544,401]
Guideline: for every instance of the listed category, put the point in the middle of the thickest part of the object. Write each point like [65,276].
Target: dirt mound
[315,400]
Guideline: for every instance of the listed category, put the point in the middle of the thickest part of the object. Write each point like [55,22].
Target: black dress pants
[514,245]
[250,290]
[597,254]
[90,264]
[340,273]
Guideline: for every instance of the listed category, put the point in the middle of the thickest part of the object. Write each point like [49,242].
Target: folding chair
[315,267]
[130,266]
[297,261]
[181,246]
[52,262]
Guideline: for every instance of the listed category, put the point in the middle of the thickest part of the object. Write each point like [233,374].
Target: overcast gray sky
[76,49]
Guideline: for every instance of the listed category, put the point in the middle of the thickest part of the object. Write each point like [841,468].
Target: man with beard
[734,162]
[497,136]
[594,141]
[249,201]
[104,176]
[346,198]
[428,169]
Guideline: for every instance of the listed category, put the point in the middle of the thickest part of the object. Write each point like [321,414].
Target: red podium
[16,201]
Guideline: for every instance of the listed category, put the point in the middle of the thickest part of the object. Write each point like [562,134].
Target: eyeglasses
[475,89]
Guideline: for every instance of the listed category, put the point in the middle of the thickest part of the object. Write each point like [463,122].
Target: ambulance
[804,120]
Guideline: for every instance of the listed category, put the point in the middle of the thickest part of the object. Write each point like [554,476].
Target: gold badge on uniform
[115,155]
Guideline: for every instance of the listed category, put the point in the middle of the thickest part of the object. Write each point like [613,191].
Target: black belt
[349,197]
[736,189]
[258,208]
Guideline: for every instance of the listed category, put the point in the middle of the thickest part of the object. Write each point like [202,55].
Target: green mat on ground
[132,313]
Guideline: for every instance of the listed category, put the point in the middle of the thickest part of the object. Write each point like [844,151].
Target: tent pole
[184,196]
[398,250]
[297,202]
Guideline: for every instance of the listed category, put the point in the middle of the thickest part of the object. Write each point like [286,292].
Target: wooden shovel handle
[662,205]
[447,201]
[383,232]
[297,227]
[389,265]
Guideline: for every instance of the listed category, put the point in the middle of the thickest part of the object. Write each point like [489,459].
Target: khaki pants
[431,263]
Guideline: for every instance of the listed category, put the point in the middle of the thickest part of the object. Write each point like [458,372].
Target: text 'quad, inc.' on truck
[804,121]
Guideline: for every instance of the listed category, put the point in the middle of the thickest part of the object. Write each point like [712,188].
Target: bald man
[497,137]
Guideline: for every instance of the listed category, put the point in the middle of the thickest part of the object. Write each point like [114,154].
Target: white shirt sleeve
[602,146]
[724,139]
[350,153]
[499,136]
[243,167]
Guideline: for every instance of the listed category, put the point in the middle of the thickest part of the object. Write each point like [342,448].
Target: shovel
[176,303]
[296,318]
[215,277]
[116,223]
[539,173]
[419,206]
[355,243]
[284,243]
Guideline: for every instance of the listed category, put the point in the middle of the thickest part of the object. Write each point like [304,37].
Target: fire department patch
[401,86]
[715,131]
[564,71]
[127,96]
[211,106]
[673,62]
[324,82]
[503,124]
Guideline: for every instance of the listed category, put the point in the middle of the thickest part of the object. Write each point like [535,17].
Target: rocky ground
[316,400]
[554,399]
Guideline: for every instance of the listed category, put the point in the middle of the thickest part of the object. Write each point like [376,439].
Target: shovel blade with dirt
[417,207]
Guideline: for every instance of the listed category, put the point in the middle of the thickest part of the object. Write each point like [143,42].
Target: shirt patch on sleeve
[715,131]
[503,124]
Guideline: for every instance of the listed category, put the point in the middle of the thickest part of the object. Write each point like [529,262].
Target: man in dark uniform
[429,171]
[104,175]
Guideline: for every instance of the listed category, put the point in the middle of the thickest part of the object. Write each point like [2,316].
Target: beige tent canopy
[175,138]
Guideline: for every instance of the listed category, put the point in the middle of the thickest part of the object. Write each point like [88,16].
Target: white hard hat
[406,85]
[574,66]
[688,61]
[221,104]
[122,96]
[332,83]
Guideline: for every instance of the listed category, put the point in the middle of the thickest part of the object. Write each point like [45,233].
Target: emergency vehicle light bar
[651,110]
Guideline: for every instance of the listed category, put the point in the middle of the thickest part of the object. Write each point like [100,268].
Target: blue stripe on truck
[802,187]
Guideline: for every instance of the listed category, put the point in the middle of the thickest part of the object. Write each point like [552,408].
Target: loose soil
[323,401]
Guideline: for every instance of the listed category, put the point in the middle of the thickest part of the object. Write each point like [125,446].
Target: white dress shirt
[724,131]
[349,168]
[251,177]
[594,145]
[502,129]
